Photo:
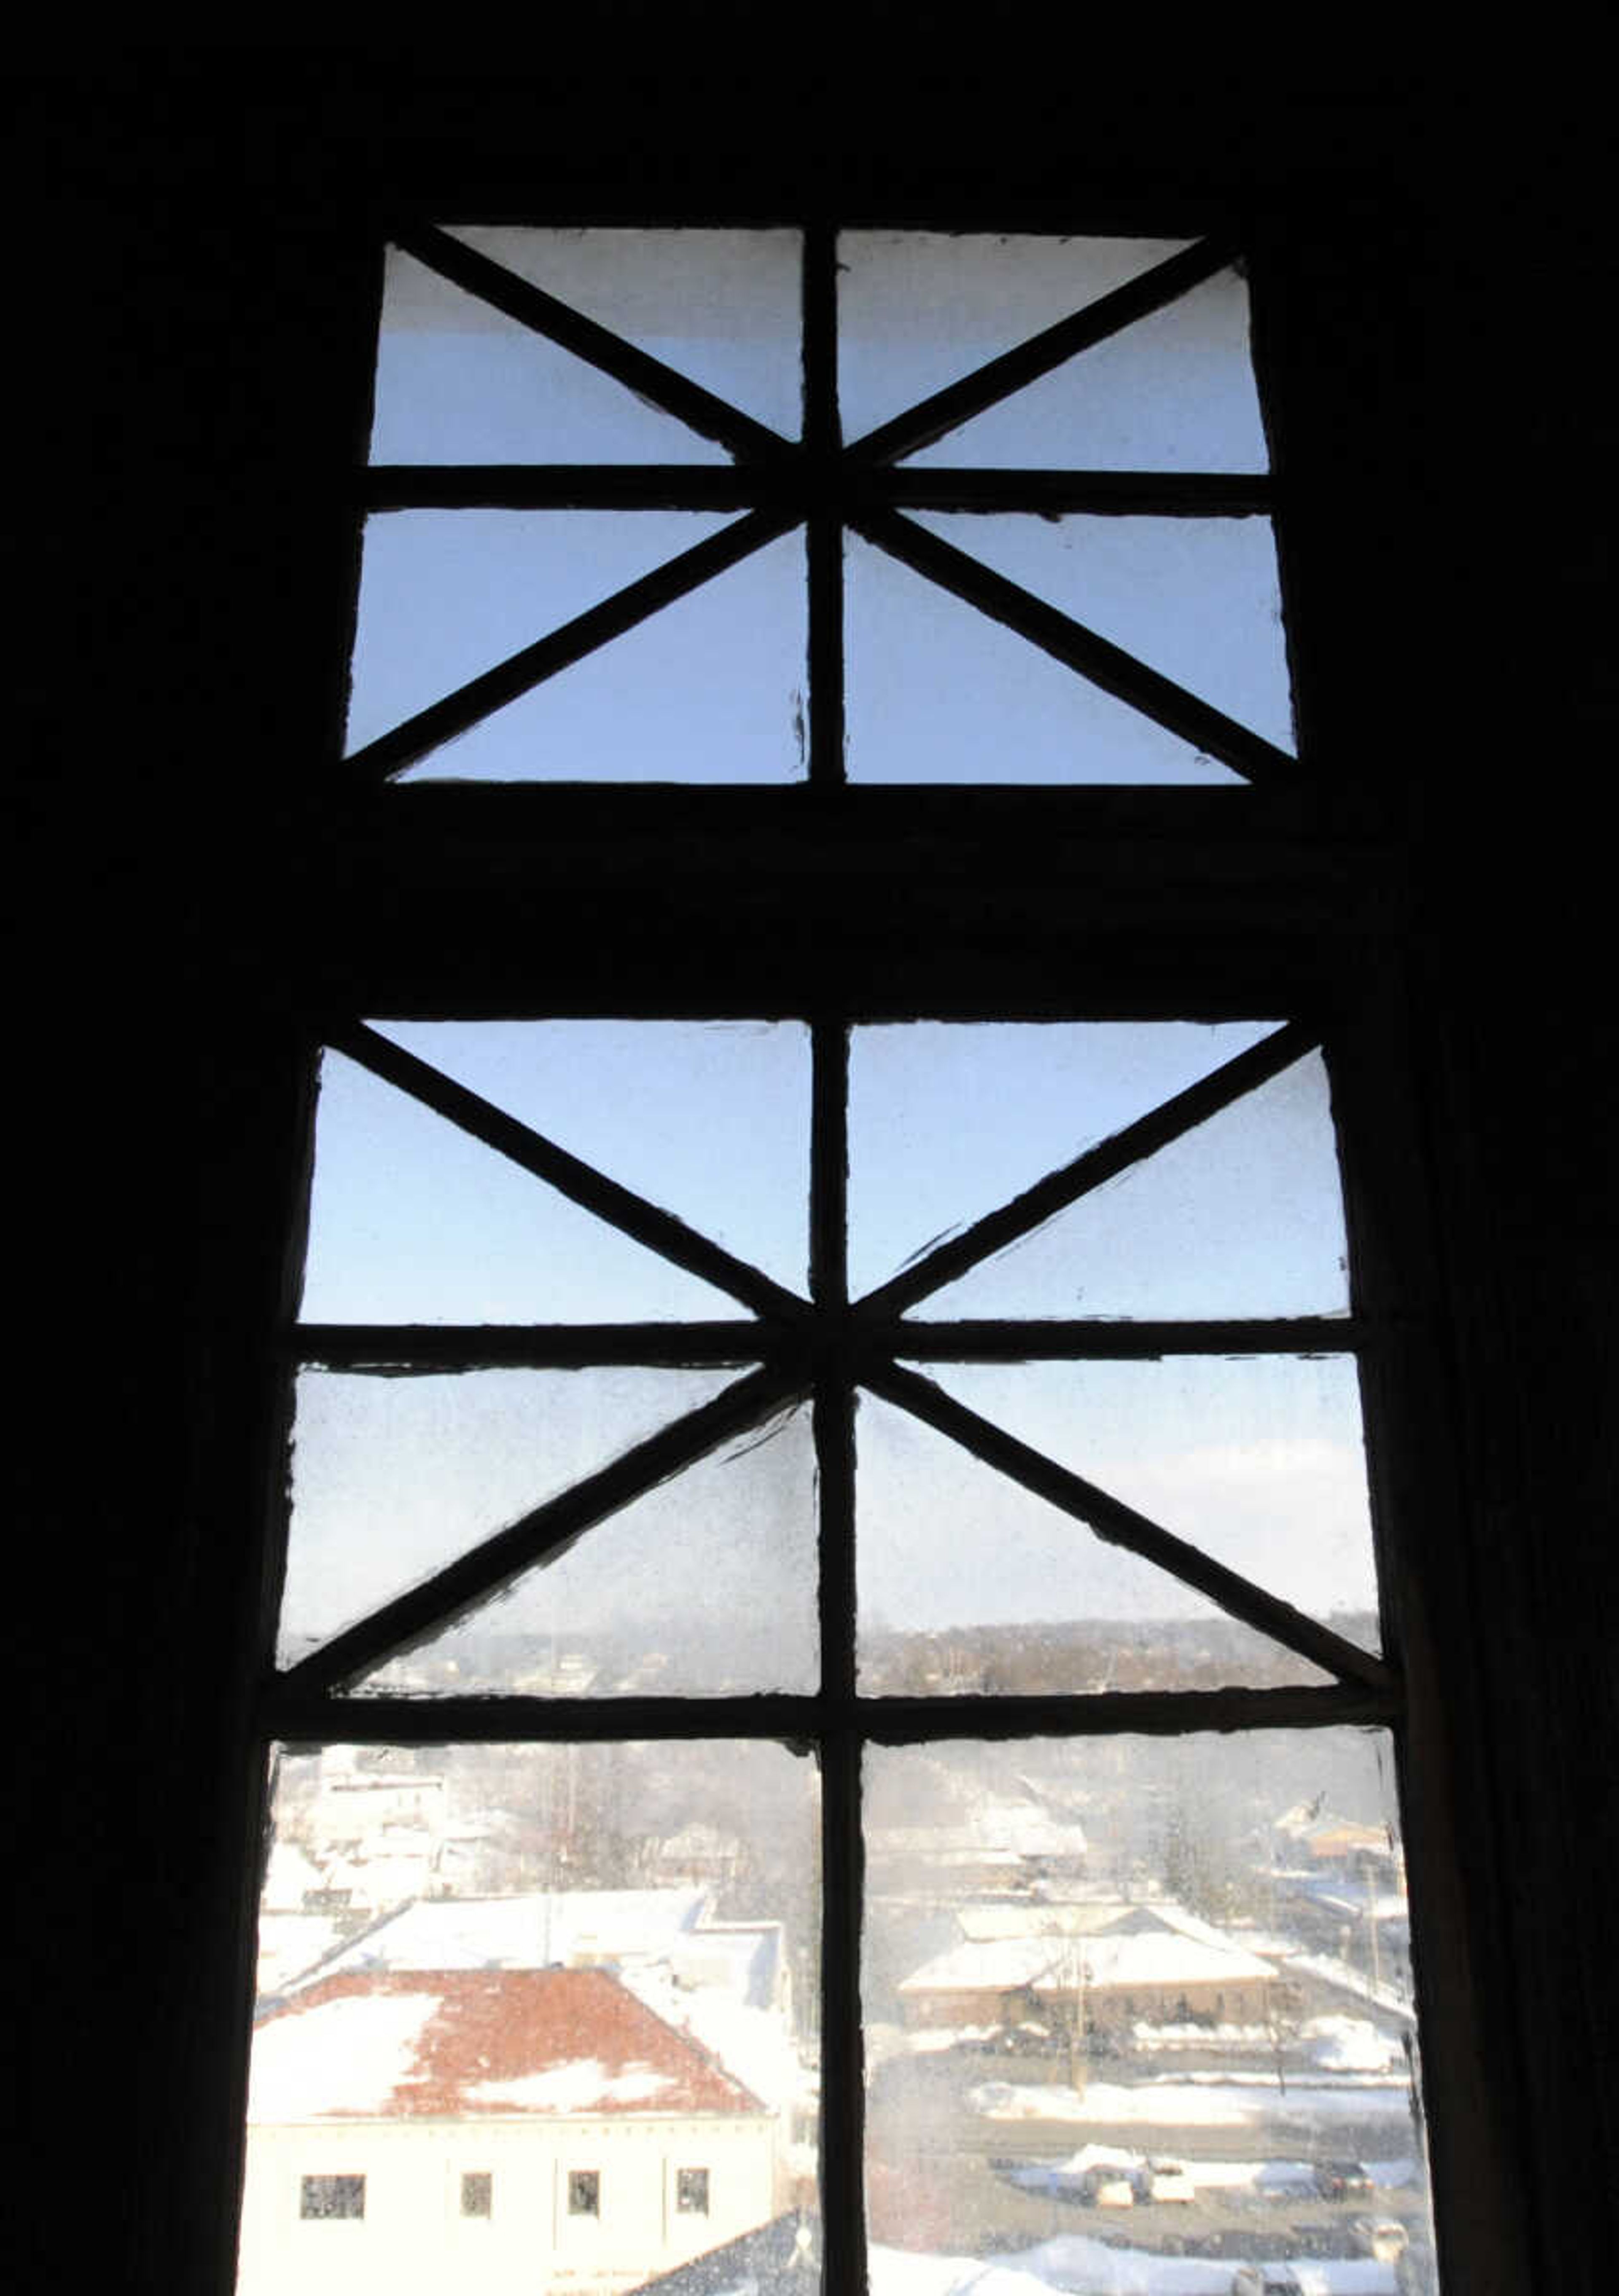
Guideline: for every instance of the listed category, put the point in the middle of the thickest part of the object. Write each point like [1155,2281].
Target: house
[415,2130]
[1167,1969]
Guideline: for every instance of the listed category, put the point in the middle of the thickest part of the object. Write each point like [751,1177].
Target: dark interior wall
[191,250]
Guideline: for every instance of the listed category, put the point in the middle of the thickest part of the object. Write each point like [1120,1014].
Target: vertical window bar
[842,2094]
[824,526]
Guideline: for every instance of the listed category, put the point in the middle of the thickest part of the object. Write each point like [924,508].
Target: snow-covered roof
[460,2044]
[1047,1963]
[531,1931]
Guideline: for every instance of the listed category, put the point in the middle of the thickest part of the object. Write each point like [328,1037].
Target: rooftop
[458,2044]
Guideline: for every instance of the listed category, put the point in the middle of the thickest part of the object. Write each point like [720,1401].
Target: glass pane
[709,1119]
[703,1587]
[1257,1459]
[721,306]
[1242,1216]
[1135,2019]
[458,381]
[393,1476]
[413,1221]
[711,689]
[967,1582]
[918,310]
[445,594]
[584,1974]
[1197,599]
[1174,391]
[937,691]
[947,1120]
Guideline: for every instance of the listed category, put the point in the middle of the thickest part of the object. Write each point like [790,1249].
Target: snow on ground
[1352,2044]
[1216,2104]
[1153,2037]
[1082,2267]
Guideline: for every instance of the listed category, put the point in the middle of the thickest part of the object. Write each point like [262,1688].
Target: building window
[477,2193]
[971,1340]
[332,2196]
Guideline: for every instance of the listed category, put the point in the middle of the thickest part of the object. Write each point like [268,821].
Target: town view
[1138,2011]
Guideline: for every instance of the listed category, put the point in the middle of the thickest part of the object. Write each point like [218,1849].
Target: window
[692,2192]
[912,1329]
[477,2193]
[332,2196]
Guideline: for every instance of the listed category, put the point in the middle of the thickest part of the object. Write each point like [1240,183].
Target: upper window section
[739,507]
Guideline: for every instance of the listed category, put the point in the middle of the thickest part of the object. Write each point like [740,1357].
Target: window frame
[1023,957]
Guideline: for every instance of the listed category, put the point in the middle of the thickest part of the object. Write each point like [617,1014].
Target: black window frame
[211,394]
[1283,844]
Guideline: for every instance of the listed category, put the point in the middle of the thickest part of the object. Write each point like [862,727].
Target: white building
[515,2130]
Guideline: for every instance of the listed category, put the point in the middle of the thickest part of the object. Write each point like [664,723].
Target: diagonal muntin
[620,1207]
[1120,1525]
[1077,647]
[674,393]
[540,1535]
[1155,1130]
[560,648]
[919,425]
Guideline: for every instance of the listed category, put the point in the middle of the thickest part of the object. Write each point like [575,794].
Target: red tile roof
[498,2041]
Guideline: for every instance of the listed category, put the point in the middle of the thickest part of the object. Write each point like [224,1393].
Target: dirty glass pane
[947,1120]
[703,1587]
[395,1475]
[720,306]
[1139,2013]
[708,689]
[937,691]
[708,1118]
[1243,1216]
[918,310]
[1197,599]
[1256,1459]
[413,1221]
[459,381]
[969,1583]
[1174,391]
[445,594]
[532,1965]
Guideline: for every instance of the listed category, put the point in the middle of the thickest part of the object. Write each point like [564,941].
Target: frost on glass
[393,1476]
[721,307]
[531,1965]
[1241,1215]
[459,381]
[413,1221]
[1197,599]
[969,1583]
[938,691]
[448,594]
[1174,391]
[947,1120]
[1139,2013]
[916,310]
[703,1587]
[710,688]
[1258,1460]
[708,1118]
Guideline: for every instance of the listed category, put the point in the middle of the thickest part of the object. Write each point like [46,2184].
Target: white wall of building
[413,2238]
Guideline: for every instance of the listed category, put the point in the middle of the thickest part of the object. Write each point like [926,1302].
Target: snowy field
[1082,2267]
[1218,2101]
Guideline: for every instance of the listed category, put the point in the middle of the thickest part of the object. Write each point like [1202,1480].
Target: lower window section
[1148,1995]
[586,1975]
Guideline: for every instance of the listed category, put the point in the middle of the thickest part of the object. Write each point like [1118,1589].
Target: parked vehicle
[1342,2180]
[1384,2238]
[1163,2180]
[1265,2280]
[1108,2185]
